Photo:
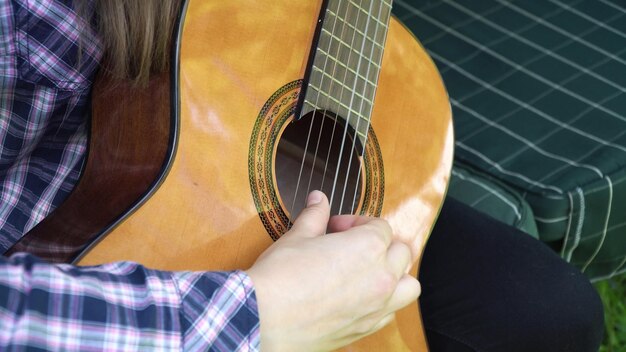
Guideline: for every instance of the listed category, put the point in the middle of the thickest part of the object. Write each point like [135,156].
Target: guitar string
[367,117]
[335,64]
[336,118]
[345,131]
[328,103]
[386,32]
[342,86]
[295,197]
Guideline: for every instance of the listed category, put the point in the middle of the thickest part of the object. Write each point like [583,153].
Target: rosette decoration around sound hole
[287,158]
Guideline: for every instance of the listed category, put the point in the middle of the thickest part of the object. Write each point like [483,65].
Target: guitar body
[240,61]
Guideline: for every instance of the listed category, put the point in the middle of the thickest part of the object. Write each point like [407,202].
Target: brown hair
[136,35]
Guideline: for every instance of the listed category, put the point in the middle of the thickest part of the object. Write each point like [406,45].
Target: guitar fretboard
[347,60]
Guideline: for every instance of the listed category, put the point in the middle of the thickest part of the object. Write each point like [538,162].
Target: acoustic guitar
[265,101]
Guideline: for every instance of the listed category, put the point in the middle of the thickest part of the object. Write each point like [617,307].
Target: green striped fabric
[537,89]
[484,193]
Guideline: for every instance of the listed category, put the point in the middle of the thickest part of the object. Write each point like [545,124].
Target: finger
[370,326]
[407,291]
[398,258]
[359,225]
[386,320]
[379,226]
[340,223]
[313,219]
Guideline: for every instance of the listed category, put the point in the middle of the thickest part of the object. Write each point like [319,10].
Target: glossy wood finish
[235,55]
[129,140]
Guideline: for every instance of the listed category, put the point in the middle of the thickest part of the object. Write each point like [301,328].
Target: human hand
[319,292]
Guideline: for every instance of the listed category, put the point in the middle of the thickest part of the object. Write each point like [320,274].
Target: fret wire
[376,64]
[326,22]
[384,37]
[361,134]
[371,107]
[352,49]
[315,108]
[374,85]
[373,41]
[367,81]
[340,104]
[384,25]
[351,111]
[343,85]
[351,64]
[369,67]
[336,101]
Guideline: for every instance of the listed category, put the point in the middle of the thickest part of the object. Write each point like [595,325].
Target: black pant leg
[488,287]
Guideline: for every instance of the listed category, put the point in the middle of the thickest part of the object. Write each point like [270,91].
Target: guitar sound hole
[335,168]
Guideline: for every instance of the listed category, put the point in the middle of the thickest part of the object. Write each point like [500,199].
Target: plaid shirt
[123,307]
[43,106]
[44,99]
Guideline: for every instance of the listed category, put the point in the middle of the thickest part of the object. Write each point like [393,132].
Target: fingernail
[314,198]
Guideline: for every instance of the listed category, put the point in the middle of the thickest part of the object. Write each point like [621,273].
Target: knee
[569,315]
[580,312]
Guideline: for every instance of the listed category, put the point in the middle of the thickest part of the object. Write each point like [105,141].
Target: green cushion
[486,194]
[539,104]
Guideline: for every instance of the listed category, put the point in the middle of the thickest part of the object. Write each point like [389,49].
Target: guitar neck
[343,74]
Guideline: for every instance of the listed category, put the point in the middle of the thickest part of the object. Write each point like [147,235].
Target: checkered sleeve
[124,306]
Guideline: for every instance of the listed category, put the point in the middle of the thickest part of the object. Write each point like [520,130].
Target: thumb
[313,219]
